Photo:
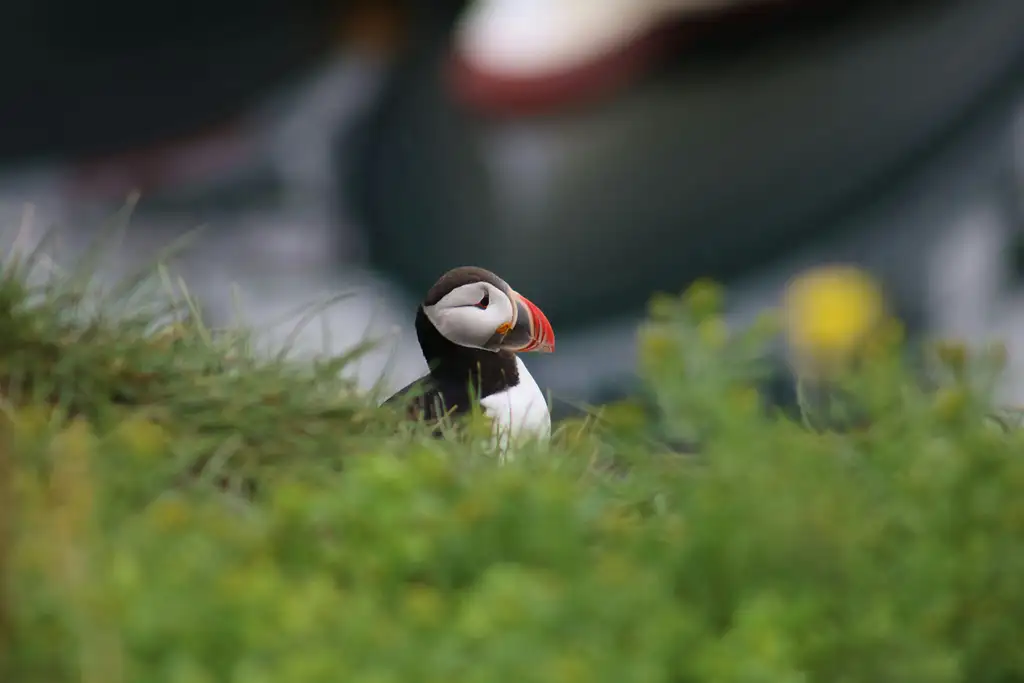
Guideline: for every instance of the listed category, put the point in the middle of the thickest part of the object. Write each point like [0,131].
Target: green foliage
[176,511]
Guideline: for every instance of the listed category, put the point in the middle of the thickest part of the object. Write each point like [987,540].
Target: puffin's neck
[488,372]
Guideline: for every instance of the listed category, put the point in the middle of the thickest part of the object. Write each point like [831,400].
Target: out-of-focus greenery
[176,511]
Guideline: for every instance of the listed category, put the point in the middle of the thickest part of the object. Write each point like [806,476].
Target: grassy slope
[176,510]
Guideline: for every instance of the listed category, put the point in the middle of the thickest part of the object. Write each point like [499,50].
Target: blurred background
[591,153]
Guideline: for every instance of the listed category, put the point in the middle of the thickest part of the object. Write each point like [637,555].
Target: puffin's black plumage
[458,374]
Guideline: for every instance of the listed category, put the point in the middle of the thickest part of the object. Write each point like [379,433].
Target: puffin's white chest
[521,411]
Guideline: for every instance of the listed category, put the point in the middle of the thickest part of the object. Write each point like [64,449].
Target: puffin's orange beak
[532,331]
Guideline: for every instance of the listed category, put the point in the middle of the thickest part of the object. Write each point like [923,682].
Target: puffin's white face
[483,316]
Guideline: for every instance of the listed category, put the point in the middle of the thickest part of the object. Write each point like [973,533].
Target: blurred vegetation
[176,510]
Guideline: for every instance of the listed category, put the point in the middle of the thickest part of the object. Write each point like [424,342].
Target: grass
[178,509]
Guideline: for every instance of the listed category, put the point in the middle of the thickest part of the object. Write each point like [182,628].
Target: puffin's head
[473,307]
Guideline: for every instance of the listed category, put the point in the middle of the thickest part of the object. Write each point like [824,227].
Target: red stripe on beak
[542,336]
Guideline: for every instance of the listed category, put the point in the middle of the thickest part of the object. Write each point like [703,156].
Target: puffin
[471,328]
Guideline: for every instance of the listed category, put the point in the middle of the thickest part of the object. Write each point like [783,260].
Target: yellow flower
[950,404]
[423,605]
[704,298]
[830,311]
[657,346]
[145,438]
[713,332]
[745,400]
[169,514]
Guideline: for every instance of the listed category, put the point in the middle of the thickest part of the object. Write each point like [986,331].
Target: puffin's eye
[484,302]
